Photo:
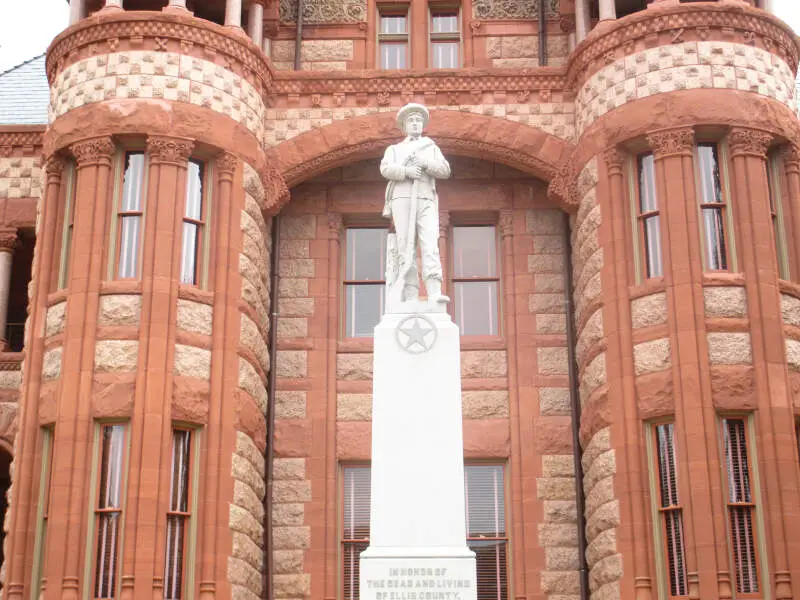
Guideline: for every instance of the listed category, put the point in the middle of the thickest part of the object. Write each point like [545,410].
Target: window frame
[345,282]
[498,278]
[203,239]
[658,511]
[434,9]
[639,220]
[118,215]
[774,170]
[343,466]
[725,207]
[190,535]
[90,570]
[67,218]
[393,10]
[42,508]
[759,547]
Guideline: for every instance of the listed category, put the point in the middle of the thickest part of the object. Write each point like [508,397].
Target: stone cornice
[676,23]
[29,141]
[104,33]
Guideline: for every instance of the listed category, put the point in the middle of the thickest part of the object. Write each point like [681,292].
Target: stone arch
[516,145]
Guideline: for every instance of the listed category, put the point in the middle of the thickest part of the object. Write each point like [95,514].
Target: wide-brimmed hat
[409,109]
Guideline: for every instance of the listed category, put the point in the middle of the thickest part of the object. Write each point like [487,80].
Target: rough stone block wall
[522,51]
[602,517]
[20,177]
[648,311]
[683,66]
[315,55]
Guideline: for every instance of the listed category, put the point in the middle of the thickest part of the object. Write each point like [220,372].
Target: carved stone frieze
[563,188]
[671,142]
[22,139]
[512,9]
[276,192]
[93,151]
[323,11]
[744,140]
[169,150]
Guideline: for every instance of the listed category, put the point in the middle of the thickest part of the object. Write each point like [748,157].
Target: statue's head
[412,119]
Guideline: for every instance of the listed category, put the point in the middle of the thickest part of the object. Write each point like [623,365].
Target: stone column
[695,416]
[255,21]
[267,46]
[582,21]
[113,5]
[774,418]
[27,457]
[608,10]
[233,13]
[8,241]
[75,11]
[769,6]
[176,5]
[791,159]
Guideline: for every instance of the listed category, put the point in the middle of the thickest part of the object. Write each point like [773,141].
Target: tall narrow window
[364,280]
[393,38]
[130,215]
[712,207]
[776,213]
[67,228]
[485,521]
[671,510]
[355,532]
[475,279]
[193,224]
[486,528]
[45,482]
[108,514]
[649,218]
[178,515]
[741,505]
[445,39]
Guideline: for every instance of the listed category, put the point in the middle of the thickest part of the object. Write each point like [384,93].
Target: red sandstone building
[188,410]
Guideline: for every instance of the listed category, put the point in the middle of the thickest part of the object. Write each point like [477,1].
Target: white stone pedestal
[418,547]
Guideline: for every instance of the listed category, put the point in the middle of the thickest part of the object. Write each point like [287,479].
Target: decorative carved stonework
[512,9]
[671,142]
[791,158]
[614,160]
[93,151]
[743,140]
[24,139]
[8,239]
[276,193]
[324,11]
[169,150]
[506,223]
[563,189]
[335,225]
[54,167]
[567,23]
[444,223]
[227,163]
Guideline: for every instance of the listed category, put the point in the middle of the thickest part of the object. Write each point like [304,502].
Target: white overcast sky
[28,26]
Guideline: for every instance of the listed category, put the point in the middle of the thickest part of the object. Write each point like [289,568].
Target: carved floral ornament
[513,9]
[325,12]
[54,167]
[93,151]
[671,142]
[614,160]
[791,157]
[227,163]
[754,142]
[169,150]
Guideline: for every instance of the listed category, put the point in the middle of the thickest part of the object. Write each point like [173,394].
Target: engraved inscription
[419,584]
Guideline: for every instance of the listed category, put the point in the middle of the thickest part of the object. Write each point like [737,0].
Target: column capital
[8,239]
[791,158]
[670,142]
[335,225]
[506,223]
[54,167]
[93,151]
[614,159]
[744,140]
[169,150]
[227,163]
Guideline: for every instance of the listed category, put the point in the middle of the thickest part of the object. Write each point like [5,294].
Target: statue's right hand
[414,172]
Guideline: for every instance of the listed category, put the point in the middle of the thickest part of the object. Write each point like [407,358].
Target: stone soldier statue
[412,168]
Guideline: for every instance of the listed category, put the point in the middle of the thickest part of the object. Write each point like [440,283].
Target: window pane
[194,191]
[484,490]
[356,503]
[714,230]
[132,182]
[491,567]
[189,253]
[652,246]
[351,553]
[710,188]
[736,461]
[179,484]
[173,571]
[366,254]
[647,184]
[476,307]
[673,526]
[393,24]
[111,466]
[445,55]
[129,247]
[364,306]
[744,550]
[106,565]
[445,23]
[474,252]
[393,55]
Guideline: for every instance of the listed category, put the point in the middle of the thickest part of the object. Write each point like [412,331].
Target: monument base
[417,577]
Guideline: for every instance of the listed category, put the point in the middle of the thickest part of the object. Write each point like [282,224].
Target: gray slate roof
[24,94]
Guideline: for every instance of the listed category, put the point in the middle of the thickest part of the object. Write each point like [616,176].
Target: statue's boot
[434,287]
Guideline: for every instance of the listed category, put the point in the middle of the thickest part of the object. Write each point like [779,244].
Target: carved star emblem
[416,334]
